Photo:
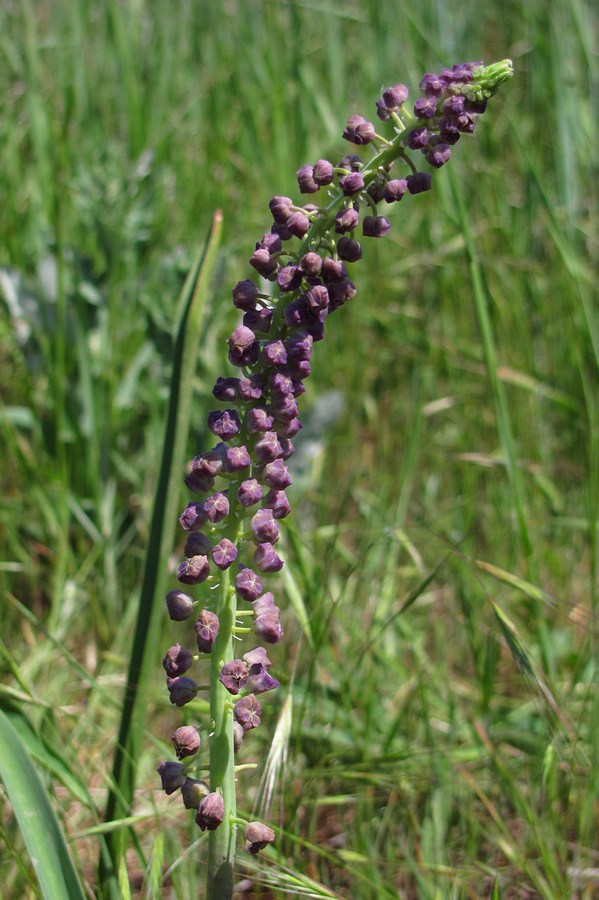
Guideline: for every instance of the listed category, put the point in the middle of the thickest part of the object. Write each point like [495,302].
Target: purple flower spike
[249,492]
[216,507]
[211,812]
[206,626]
[181,689]
[264,526]
[177,661]
[248,712]
[186,741]
[194,570]
[224,553]
[172,775]
[248,585]
[234,675]
[266,559]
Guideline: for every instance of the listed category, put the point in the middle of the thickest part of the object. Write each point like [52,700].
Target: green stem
[221,847]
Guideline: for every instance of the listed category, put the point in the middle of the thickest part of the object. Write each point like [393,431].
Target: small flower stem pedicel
[233,526]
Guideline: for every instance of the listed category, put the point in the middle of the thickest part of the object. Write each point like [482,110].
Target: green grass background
[441,736]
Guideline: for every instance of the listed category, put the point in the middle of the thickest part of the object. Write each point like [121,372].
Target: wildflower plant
[303,268]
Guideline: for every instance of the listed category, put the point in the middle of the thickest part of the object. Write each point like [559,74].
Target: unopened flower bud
[266,559]
[224,553]
[234,675]
[172,775]
[258,836]
[419,182]
[359,131]
[197,544]
[306,182]
[322,172]
[249,492]
[181,690]
[248,712]
[238,733]
[375,226]
[179,605]
[194,570]
[211,812]
[192,792]
[177,661]
[395,96]
[206,627]
[186,741]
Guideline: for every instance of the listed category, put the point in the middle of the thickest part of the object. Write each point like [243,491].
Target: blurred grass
[420,752]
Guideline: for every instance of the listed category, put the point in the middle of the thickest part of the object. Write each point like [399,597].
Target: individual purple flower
[266,559]
[395,96]
[177,661]
[305,180]
[238,735]
[244,349]
[206,627]
[298,224]
[419,182]
[245,294]
[257,320]
[323,172]
[172,775]
[225,423]
[192,792]
[267,626]
[194,570]
[251,388]
[264,526]
[274,353]
[267,448]
[425,107]
[211,812]
[278,502]
[418,138]
[224,553]
[432,85]
[280,208]
[226,389]
[248,585]
[258,420]
[197,544]
[375,226]
[310,264]
[260,681]
[359,131]
[216,507]
[346,220]
[333,270]
[438,155]
[352,183]
[249,492]
[289,278]
[257,657]
[349,250]
[317,298]
[257,837]
[237,459]
[276,475]
[181,689]
[265,603]
[186,741]
[264,263]
[193,517]
[248,712]
[234,675]
[395,189]
[179,605]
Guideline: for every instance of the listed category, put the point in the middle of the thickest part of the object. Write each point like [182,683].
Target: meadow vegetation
[437,731]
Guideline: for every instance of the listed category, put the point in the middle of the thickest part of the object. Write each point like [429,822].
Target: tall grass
[440,736]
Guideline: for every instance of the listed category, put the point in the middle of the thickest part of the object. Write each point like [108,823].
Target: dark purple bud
[206,627]
[267,626]
[466,123]
[264,604]
[346,220]
[236,459]
[186,741]
[352,161]
[270,241]
[425,107]
[181,689]
[197,544]
[266,559]
[209,463]
[257,657]
[418,138]
[248,585]
[238,734]
[264,527]
[284,408]
[172,775]
[179,606]
[382,111]
[244,349]
[432,85]
[439,155]
[247,712]
[234,675]
[333,269]
[245,294]
[278,502]
[305,179]
[226,389]
[194,570]
[349,250]
[449,131]
[224,553]
[257,837]
[280,208]
[454,106]
[287,447]
[249,492]
[359,131]
[251,388]
[177,661]
[298,224]
[199,484]
[340,293]
[216,507]
[276,476]
[395,189]
[419,182]
[395,96]
[375,226]
[193,791]
[296,313]
[258,319]
[258,420]
[225,423]
[352,184]
[280,382]
[310,264]
[376,190]
[299,346]
[264,264]
[476,107]
[260,681]
[267,447]
[323,172]
[317,298]
[211,812]
[289,278]
[193,517]
[274,353]
[289,429]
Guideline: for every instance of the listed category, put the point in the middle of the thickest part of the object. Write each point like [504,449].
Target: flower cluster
[302,276]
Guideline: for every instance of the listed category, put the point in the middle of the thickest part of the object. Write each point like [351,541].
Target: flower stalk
[234,526]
